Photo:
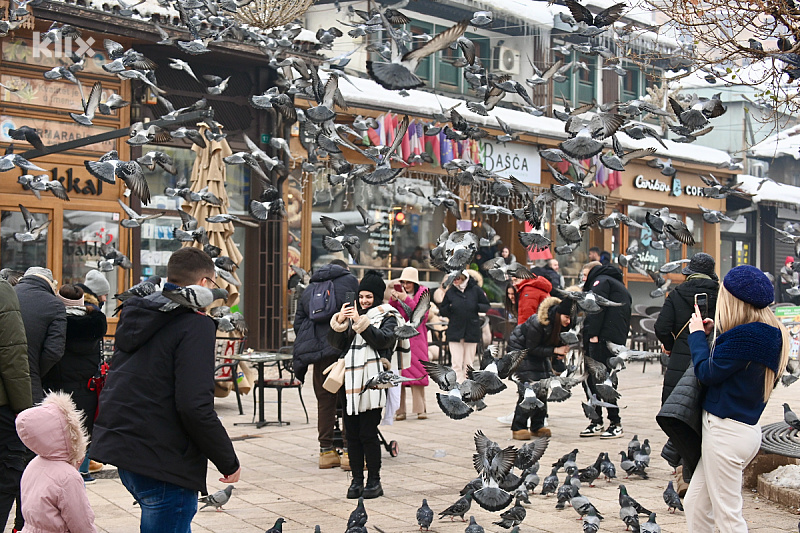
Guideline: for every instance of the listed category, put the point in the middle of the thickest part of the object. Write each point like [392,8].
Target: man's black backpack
[322,305]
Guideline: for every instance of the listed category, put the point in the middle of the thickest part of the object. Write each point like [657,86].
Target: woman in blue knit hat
[739,371]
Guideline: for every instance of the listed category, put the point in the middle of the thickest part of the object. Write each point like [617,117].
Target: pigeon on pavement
[459,508]
[424,515]
[218,499]
[672,499]
[790,417]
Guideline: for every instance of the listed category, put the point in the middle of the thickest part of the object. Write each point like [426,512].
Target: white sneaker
[613,432]
[593,430]
[506,420]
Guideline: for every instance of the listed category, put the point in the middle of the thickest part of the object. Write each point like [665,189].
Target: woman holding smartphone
[365,334]
[409,291]
[739,371]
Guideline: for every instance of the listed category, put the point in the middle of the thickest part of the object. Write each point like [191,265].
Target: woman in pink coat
[53,494]
[408,289]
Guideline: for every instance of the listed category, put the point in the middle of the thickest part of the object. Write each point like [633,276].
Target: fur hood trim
[543,312]
[474,274]
[54,429]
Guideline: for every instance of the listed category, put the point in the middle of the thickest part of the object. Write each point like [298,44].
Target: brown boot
[344,461]
[522,434]
[542,432]
[328,459]
[680,485]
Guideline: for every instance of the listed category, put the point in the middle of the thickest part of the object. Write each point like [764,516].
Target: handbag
[335,379]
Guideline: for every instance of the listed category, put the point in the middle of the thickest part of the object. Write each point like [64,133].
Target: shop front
[80,228]
[644,189]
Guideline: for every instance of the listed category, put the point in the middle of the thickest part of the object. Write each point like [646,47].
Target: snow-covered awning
[784,143]
[770,191]
[367,93]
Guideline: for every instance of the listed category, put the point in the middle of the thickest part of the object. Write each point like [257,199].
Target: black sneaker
[613,432]
[356,489]
[373,489]
[88,479]
[592,430]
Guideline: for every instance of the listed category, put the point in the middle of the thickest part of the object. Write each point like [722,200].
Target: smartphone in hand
[701,301]
[350,298]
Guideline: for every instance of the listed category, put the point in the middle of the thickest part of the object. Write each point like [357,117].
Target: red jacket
[530,294]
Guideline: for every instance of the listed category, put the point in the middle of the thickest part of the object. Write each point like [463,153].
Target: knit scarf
[362,362]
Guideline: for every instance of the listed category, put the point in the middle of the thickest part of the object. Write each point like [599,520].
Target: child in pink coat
[53,494]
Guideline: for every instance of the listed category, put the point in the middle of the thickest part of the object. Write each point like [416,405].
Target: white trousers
[714,496]
[462,355]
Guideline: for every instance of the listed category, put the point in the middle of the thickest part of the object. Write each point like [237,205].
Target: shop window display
[18,255]
[409,221]
[85,235]
[237,180]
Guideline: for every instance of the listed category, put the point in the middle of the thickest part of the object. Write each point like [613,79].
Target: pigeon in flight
[193,296]
[33,230]
[134,219]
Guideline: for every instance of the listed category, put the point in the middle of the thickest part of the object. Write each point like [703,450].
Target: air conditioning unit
[758,169]
[507,60]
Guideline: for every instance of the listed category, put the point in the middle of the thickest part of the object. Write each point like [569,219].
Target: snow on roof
[366,92]
[770,191]
[784,143]
[534,13]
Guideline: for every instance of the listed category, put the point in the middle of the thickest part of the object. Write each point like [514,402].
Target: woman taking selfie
[365,334]
[739,372]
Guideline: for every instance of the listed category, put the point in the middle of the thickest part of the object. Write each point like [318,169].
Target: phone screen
[350,297]
[701,300]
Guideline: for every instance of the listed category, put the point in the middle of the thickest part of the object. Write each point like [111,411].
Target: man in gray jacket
[15,396]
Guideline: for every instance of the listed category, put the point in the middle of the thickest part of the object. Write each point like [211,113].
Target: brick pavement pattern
[280,477]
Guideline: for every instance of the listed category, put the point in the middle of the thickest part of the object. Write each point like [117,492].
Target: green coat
[15,380]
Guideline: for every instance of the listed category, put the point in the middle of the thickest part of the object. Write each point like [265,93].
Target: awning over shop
[769,191]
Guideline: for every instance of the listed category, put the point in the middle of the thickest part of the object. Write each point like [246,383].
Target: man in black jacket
[311,347]
[611,324]
[157,422]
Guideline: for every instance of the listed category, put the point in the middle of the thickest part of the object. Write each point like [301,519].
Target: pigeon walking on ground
[790,417]
[358,518]
[424,515]
[459,508]
[650,526]
[473,526]
[672,499]
[218,499]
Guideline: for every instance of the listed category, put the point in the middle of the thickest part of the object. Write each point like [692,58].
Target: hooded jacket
[530,294]
[673,321]
[680,418]
[80,361]
[53,495]
[537,330]
[612,323]
[45,320]
[157,417]
[462,308]
[311,338]
[15,380]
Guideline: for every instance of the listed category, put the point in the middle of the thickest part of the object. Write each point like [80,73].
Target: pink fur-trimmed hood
[54,429]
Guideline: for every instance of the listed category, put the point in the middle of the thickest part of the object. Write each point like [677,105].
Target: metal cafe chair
[282,383]
[227,370]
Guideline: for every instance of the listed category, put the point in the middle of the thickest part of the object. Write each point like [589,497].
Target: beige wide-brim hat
[409,274]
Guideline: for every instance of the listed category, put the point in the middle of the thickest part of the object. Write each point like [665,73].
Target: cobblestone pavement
[281,478]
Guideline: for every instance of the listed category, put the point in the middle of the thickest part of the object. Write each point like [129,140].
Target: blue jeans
[166,508]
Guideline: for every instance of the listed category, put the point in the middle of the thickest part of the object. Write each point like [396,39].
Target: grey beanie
[40,271]
[97,283]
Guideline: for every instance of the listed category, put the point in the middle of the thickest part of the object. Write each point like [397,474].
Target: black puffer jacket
[15,381]
[681,419]
[157,415]
[311,338]
[673,319]
[80,362]
[462,308]
[45,321]
[534,335]
[612,323]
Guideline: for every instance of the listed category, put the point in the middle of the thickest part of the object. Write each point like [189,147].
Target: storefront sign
[60,94]
[53,132]
[512,159]
[676,189]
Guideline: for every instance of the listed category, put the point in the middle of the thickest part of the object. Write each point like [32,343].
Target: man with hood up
[157,422]
[610,324]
